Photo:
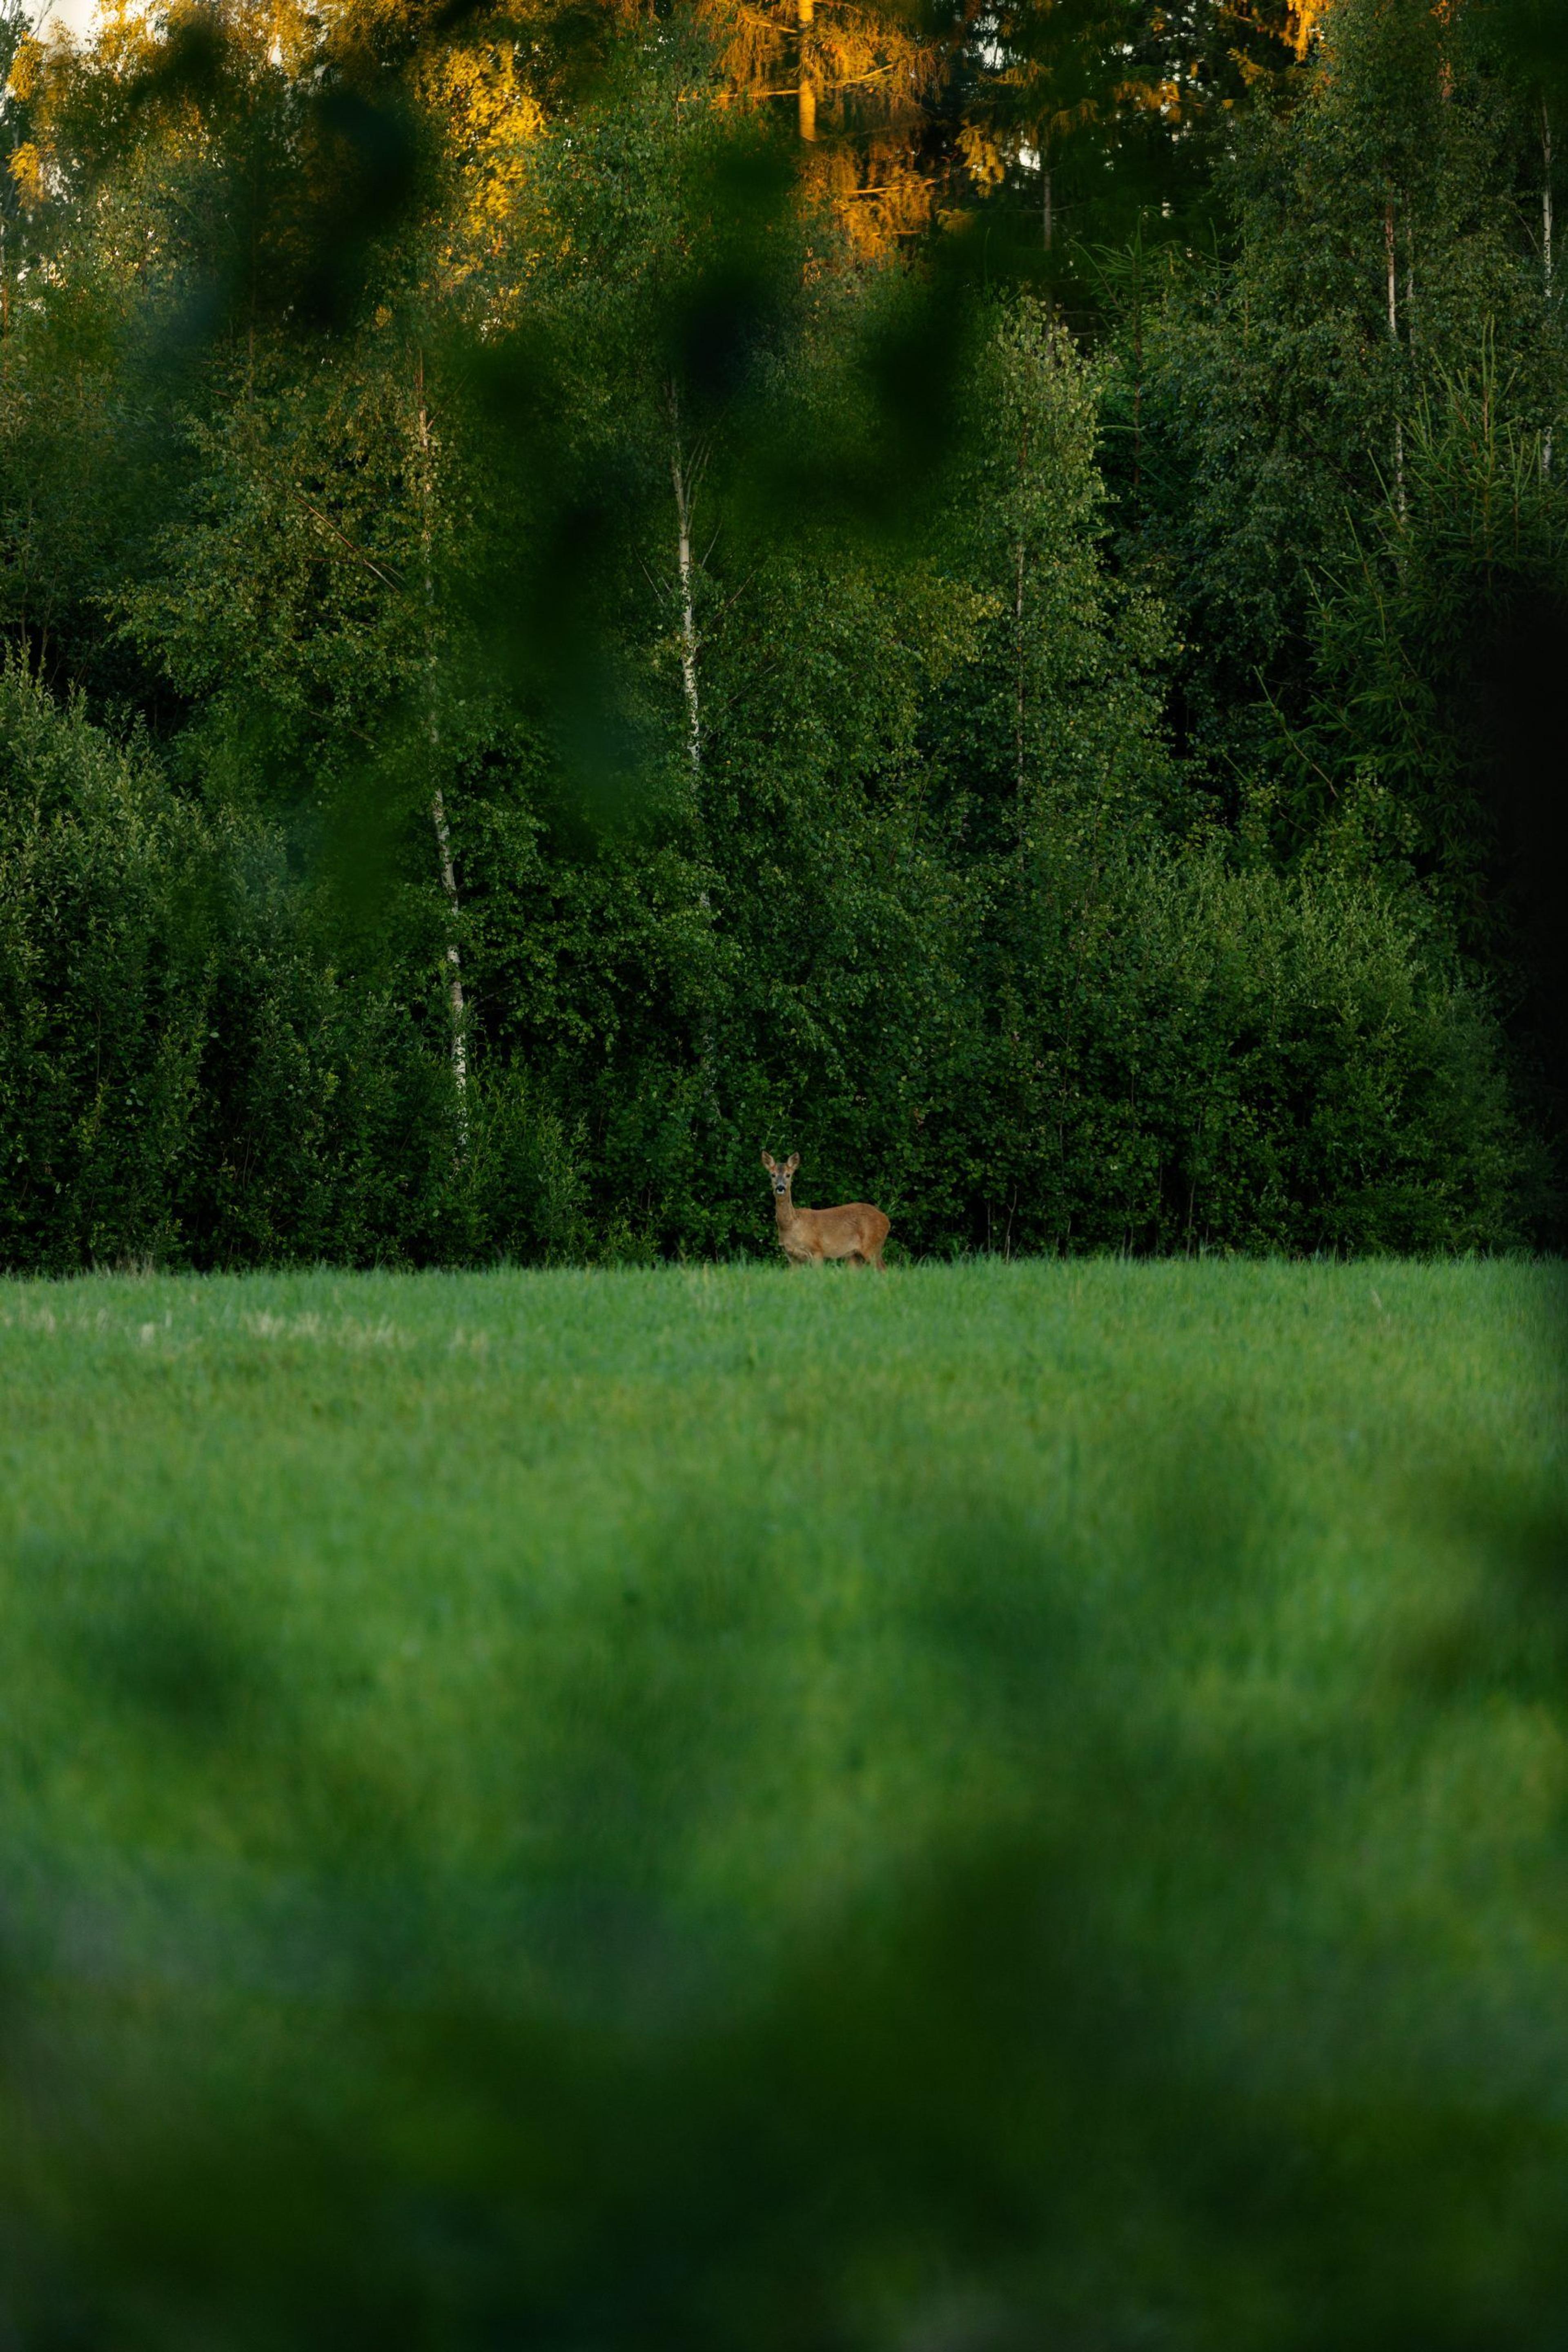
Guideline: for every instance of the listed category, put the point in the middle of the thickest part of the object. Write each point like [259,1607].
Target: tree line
[980,593]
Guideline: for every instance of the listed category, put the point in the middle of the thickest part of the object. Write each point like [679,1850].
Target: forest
[975,589]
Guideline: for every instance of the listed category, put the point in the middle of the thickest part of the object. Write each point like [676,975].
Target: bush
[104,984]
[1250,1062]
[183,1074]
[1059,1051]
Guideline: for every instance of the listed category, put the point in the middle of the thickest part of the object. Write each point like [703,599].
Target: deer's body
[808,1236]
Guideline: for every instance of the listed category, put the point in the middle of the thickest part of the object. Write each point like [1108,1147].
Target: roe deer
[806,1237]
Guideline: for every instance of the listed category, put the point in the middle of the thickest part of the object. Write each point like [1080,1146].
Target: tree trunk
[806,98]
[454,962]
[432,737]
[1017,630]
[1138,374]
[681,480]
[1546,196]
[1546,253]
[1394,338]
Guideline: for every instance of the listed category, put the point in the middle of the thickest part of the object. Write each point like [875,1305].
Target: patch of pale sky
[76,15]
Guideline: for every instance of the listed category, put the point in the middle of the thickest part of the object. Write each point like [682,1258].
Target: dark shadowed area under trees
[980,593]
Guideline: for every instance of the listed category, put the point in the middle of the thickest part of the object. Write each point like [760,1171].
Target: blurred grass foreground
[1005,1806]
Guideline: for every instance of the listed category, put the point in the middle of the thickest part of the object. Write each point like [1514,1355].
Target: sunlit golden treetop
[858,81]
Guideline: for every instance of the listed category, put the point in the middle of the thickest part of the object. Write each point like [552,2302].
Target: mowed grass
[775,1806]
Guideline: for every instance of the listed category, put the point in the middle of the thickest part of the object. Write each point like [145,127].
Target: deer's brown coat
[806,1237]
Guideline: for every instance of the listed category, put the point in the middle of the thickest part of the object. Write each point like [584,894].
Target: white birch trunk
[681,481]
[437,801]
[1546,257]
[681,474]
[1017,648]
[1394,338]
[1020,562]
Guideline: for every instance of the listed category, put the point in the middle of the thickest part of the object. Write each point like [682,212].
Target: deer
[808,1236]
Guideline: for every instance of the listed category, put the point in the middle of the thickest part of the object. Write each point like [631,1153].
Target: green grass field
[999,1805]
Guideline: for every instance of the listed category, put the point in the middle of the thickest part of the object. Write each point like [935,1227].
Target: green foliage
[720,1808]
[1299,466]
[1240,1060]
[184,1074]
[1332,445]
[1057,1045]
[104,953]
[728,665]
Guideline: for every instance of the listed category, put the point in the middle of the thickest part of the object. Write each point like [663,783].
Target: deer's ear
[768,1161]
[791,1163]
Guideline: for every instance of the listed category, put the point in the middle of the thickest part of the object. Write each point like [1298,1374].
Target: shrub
[184,1075]
[1051,1049]
[104,987]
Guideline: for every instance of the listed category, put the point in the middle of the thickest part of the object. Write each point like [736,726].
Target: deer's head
[780,1176]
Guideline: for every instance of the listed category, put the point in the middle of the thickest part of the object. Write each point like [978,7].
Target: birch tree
[1548,283]
[685,468]
[425,441]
